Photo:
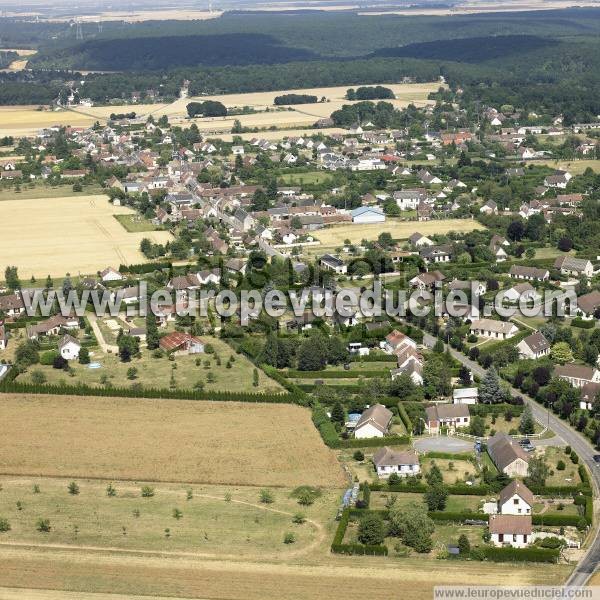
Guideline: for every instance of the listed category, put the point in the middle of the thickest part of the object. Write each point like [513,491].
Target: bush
[560,465]
[546,555]
[47,358]
[266,497]
[147,491]
[299,519]
[4,525]
[43,525]
[359,456]
[73,488]
[371,529]
[289,538]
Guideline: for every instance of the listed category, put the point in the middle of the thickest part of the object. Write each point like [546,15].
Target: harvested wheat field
[348,578]
[401,230]
[74,235]
[164,440]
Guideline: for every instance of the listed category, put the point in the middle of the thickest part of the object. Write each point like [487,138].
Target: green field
[136,223]
[300,179]
[156,372]
[35,191]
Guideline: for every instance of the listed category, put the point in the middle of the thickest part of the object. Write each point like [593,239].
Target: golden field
[164,440]
[27,120]
[334,236]
[44,236]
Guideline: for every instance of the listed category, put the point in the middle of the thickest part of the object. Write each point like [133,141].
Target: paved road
[590,562]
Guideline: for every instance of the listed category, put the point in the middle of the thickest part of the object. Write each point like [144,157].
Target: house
[507,455]
[559,180]
[12,305]
[510,530]
[529,273]
[588,304]
[183,343]
[450,416]
[489,208]
[367,214]
[465,396]
[534,346]
[568,265]
[374,422]
[577,375]
[490,328]
[235,266]
[396,339]
[413,368]
[332,263]
[478,287]
[436,254]
[515,499]
[424,281]
[110,274]
[522,290]
[388,461]
[209,276]
[51,326]
[589,393]
[409,199]
[69,347]
[418,240]
[3,337]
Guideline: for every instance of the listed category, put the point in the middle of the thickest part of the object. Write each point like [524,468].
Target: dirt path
[106,348]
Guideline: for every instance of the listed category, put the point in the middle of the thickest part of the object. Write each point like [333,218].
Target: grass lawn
[136,223]
[505,426]
[461,469]
[569,476]
[575,167]
[300,179]
[454,504]
[156,372]
[34,191]
[209,523]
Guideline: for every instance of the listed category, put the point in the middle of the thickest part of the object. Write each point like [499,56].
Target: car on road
[596,458]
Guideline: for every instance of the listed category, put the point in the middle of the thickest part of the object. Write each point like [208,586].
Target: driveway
[443,444]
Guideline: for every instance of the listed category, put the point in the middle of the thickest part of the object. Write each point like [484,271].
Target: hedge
[546,555]
[405,418]
[391,440]
[456,517]
[557,491]
[555,520]
[483,410]
[348,389]
[456,489]
[334,374]
[378,358]
[449,455]
[84,390]
[582,323]
[145,267]
[338,547]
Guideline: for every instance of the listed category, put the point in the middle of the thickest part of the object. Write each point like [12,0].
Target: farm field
[212,520]
[334,236]
[27,120]
[33,191]
[575,167]
[336,578]
[164,440]
[156,372]
[95,241]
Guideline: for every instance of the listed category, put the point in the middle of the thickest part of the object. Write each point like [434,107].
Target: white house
[515,499]
[374,422]
[465,396]
[110,274]
[533,346]
[3,338]
[388,461]
[490,328]
[451,416]
[367,214]
[332,263]
[577,375]
[510,530]
[568,265]
[69,347]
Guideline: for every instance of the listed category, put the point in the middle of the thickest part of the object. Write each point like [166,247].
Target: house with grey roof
[404,463]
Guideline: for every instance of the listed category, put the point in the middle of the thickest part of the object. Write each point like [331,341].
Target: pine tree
[152,339]
[490,391]
[527,425]
[337,413]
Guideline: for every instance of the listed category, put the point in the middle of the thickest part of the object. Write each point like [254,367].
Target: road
[590,562]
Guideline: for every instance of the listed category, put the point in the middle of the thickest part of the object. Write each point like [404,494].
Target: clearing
[164,440]
[401,230]
[95,239]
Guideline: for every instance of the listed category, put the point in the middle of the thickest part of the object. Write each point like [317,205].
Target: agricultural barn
[507,455]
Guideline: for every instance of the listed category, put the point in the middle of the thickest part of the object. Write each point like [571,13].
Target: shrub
[567,450]
[560,465]
[147,491]
[359,456]
[266,497]
[111,490]
[371,529]
[574,458]
[73,488]
[299,519]
[463,544]
[4,525]
[43,525]
[289,538]
[177,514]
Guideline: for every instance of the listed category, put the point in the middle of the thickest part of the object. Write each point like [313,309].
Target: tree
[413,526]
[312,353]
[371,529]
[561,352]
[152,338]
[464,374]
[490,391]
[128,345]
[434,476]
[515,231]
[27,353]
[527,425]
[477,426]
[11,276]
[538,471]
[84,356]
[436,497]
[208,108]
[463,544]
[337,414]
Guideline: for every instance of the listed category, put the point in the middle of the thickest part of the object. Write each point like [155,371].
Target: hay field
[164,440]
[67,235]
[402,230]
[575,167]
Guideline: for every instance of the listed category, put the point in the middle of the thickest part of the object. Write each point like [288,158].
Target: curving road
[590,562]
